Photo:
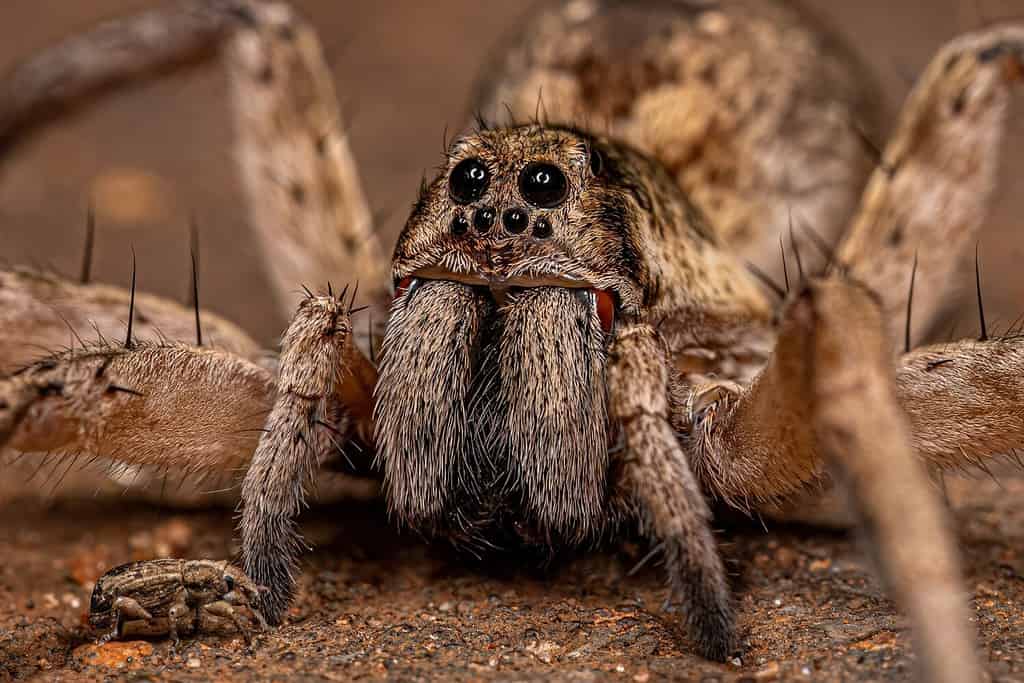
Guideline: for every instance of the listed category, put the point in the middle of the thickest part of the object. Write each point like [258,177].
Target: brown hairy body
[576,345]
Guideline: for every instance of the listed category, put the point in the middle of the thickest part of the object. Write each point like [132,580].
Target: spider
[580,336]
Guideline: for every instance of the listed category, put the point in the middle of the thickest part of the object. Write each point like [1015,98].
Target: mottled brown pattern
[737,98]
[169,596]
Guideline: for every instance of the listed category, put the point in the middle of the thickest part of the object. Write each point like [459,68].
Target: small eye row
[514,221]
[541,184]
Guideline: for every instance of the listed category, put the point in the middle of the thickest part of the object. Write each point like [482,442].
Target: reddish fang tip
[605,309]
[403,287]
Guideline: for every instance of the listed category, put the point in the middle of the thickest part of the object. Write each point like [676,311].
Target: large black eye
[596,162]
[468,181]
[543,185]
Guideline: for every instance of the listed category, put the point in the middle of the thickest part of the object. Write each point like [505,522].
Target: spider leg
[167,405]
[657,474]
[42,312]
[321,370]
[964,400]
[112,53]
[305,198]
[46,317]
[930,193]
[828,396]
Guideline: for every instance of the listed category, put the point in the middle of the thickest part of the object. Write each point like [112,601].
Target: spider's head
[510,275]
[531,206]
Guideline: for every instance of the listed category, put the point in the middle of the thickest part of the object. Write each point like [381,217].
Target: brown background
[404,72]
[371,604]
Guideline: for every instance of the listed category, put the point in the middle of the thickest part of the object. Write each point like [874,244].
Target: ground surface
[374,604]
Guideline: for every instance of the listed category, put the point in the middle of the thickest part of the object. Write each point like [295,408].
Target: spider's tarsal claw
[708,398]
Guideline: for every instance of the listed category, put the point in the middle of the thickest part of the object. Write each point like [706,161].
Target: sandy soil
[374,604]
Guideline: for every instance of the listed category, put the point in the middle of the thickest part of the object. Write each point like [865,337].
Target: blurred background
[152,155]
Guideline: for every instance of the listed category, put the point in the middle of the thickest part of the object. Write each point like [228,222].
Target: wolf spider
[575,344]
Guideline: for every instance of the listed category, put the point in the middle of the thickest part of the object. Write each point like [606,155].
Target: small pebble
[769,672]
[820,565]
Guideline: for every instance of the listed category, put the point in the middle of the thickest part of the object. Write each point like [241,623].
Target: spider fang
[604,306]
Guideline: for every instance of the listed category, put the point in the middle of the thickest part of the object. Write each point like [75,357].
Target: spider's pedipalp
[827,397]
[318,359]
[657,478]
[931,195]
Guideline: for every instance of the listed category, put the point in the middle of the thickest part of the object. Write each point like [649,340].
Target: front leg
[657,476]
[828,397]
[324,396]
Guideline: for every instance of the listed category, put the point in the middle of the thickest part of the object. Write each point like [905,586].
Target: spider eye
[543,185]
[229,582]
[596,162]
[468,181]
